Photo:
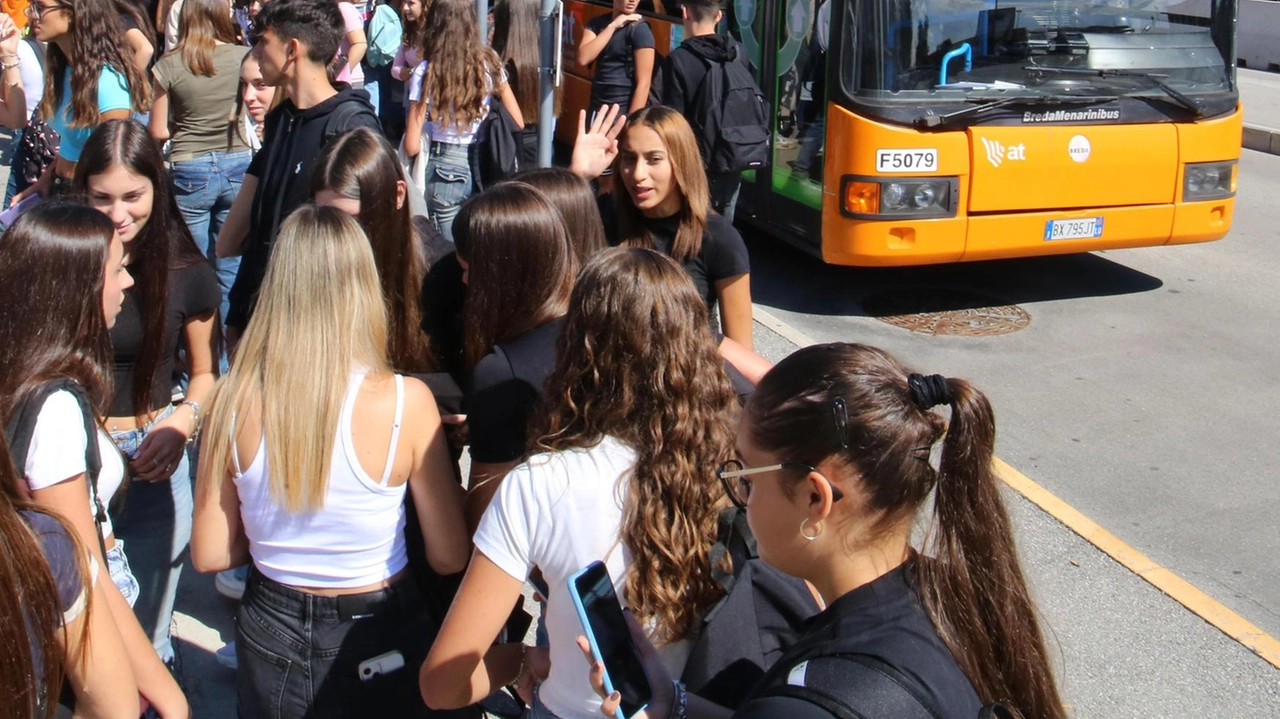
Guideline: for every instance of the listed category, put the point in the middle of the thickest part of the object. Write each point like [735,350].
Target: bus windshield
[950,49]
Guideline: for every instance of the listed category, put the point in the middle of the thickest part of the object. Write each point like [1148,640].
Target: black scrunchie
[929,391]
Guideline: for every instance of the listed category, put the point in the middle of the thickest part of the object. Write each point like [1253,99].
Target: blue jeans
[299,654]
[156,526]
[205,187]
[448,182]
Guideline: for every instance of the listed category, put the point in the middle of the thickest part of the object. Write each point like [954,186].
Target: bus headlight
[875,198]
[1208,180]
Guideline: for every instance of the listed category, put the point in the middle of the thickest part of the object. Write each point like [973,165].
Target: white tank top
[355,539]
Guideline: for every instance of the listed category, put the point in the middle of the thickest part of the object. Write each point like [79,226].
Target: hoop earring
[817,526]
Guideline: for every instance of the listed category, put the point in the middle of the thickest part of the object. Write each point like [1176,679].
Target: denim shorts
[121,574]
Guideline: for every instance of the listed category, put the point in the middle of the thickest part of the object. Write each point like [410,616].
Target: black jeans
[299,654]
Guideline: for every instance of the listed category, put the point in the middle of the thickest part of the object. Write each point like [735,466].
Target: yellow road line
[1177,588]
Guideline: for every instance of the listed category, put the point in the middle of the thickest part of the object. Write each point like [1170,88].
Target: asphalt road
[1144,392]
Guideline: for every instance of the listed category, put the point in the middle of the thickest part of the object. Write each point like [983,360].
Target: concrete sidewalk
[1260,93]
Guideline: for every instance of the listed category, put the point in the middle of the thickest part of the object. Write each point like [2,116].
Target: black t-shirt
[506,389]
[723,252]
[886,620]
[193,292]
[614,79]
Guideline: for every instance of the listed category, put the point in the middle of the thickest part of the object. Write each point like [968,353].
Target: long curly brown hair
[637,362]
[461,70]
[97,42]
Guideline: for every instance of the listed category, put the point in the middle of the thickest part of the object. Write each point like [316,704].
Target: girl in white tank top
[305,462]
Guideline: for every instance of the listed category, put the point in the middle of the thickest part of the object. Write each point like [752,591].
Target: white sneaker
[230,583]
[226,656]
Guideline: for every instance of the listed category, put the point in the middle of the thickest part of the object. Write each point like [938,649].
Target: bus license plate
[1073,229]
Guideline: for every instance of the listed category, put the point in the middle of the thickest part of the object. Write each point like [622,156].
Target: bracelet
[679,700]
[195,418]
[10,65]
[524,666]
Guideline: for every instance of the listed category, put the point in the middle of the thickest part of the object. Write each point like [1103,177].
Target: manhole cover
[939,311]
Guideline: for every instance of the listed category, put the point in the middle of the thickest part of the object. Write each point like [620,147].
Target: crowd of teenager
[261,310]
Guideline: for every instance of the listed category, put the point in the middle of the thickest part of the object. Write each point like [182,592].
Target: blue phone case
[591,637]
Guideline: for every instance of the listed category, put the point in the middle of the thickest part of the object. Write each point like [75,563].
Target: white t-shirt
[439,132]
[32,77]
[57,452]
[561,511]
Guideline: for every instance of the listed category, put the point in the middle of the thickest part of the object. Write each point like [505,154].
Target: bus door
[787,43]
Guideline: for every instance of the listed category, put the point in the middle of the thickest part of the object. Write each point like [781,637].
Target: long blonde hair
[319,317]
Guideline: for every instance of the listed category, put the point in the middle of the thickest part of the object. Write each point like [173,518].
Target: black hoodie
[293,142]
[680,78]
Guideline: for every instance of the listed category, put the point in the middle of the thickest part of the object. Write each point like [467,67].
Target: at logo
[998,153]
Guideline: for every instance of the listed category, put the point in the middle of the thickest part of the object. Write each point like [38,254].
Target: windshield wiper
[1156,81]
[989,103]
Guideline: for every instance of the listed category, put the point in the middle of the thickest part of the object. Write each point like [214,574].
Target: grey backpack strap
[857,686]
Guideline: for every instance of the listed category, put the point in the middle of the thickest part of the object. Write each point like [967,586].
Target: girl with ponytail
[834,469]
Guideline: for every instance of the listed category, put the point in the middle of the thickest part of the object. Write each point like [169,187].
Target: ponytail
[972,585]
[968,573]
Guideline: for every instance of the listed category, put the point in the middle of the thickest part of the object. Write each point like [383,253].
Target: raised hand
[597,146]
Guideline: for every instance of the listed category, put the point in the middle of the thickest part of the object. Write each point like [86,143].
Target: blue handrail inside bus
[963,48]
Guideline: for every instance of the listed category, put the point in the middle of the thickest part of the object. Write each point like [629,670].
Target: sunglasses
[733,476]
[36,10]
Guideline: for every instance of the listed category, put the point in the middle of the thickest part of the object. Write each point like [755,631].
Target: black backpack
[21,428]
[39,141]
[496,155]
[752,626]
[729,117]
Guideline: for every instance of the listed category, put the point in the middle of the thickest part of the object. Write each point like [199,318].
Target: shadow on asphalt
[777,269]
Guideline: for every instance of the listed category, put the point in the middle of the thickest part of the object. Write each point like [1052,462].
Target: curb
[1262,139]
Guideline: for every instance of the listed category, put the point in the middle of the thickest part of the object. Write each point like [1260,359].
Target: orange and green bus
[911,132]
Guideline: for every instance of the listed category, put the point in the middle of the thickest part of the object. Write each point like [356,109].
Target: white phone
[381,664]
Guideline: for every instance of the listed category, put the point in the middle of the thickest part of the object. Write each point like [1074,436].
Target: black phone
[606,629]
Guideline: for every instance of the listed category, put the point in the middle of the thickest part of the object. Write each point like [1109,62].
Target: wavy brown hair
[968,575]
[97,41]
[461,70]
[30,604]
[637,362]
[202,25]
[361,166]
[520,265]
[689,176]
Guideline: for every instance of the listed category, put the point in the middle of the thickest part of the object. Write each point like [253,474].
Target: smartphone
[611,644]
[8,216]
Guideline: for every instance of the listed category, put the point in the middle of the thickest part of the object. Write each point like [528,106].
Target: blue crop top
[113,94]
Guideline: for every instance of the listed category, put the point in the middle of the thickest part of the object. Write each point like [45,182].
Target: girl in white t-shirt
[62,282]
[639,415]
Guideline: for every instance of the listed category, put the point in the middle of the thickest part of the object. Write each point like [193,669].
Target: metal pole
[482,19]
[550,22]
